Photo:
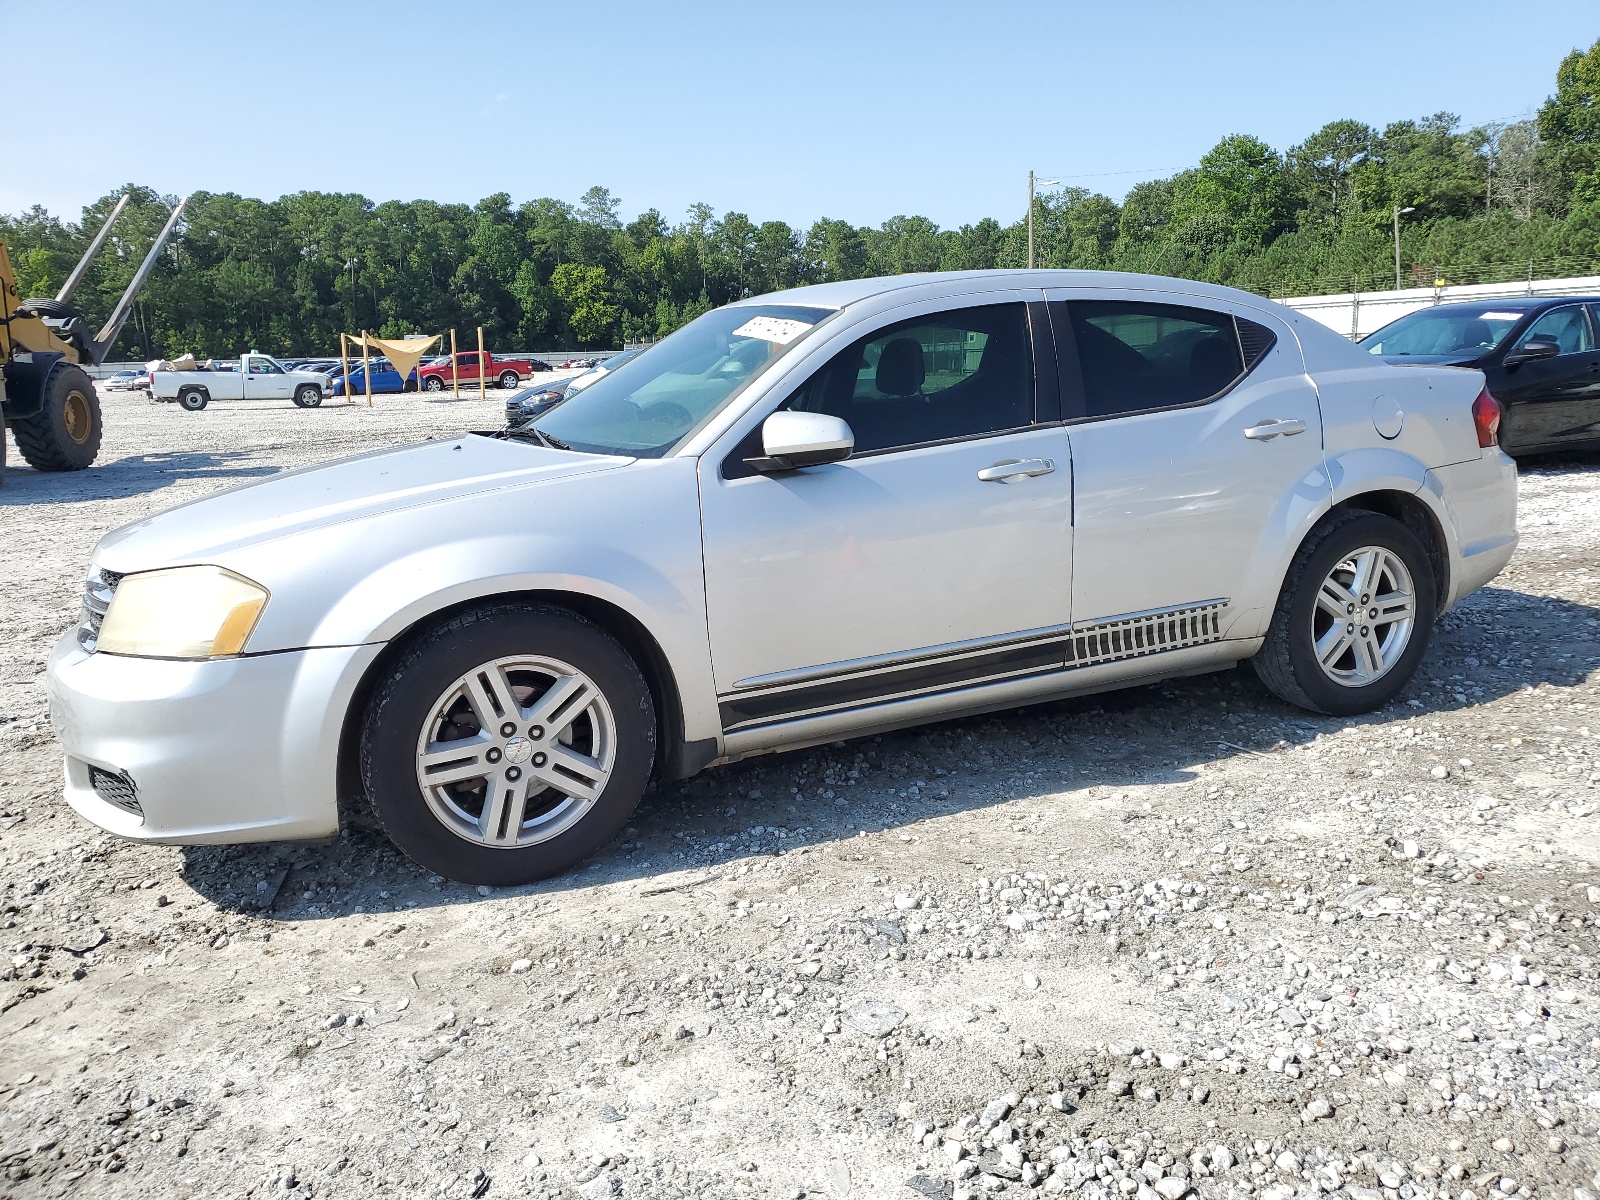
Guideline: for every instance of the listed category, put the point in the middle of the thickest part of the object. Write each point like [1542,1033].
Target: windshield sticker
[1499,316]
[772,329]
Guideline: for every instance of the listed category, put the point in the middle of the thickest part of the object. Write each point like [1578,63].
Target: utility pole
[1397,211]
[350,265]
[1042,183]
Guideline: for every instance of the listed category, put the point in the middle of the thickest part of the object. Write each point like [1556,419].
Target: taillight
[1486,418]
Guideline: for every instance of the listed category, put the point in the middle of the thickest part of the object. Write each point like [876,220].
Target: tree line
[288,275]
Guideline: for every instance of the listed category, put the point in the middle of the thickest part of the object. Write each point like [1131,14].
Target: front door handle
[1272,427]
[1016,468]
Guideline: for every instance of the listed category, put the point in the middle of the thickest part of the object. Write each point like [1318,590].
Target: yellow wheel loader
[50,403]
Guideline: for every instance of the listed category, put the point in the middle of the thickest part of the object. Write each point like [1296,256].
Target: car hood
[334,493]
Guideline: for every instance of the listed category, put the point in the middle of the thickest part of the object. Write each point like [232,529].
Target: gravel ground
[1174,940]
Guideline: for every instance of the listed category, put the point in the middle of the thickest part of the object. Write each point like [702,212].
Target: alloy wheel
[1365,611]
[516,751]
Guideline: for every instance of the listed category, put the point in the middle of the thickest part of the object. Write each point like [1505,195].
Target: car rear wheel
[508,744]
[1354,617]
[192,399]
[509,380]
[308,395]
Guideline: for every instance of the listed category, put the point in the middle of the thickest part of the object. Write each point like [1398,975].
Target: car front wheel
[1354,617]
[508,744]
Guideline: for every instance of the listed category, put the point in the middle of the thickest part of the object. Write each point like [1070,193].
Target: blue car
[384,379]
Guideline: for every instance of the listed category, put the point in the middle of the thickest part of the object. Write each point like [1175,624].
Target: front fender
[628,538]
[384,604]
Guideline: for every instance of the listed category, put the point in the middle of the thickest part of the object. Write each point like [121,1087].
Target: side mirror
[1532,349]
[800,439]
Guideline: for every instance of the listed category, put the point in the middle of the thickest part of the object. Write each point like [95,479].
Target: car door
[936,556]
[264,379]
[1195,430]
[1548,401]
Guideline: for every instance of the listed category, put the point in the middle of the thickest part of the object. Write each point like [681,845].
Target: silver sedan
[816,514]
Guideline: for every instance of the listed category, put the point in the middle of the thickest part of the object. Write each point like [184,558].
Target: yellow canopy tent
[403,353]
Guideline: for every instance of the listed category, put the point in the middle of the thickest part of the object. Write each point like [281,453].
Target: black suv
[1540,357]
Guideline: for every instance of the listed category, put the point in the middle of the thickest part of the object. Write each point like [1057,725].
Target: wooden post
[455,367]
[366,366]
[483,368]
[344,361]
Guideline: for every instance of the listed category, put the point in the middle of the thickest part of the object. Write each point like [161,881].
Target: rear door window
[1137,357]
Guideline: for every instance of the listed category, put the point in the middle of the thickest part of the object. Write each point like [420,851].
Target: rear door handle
[1272,427]
[1016,468]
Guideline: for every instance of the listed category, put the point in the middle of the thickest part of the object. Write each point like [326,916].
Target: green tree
[584,292]
[1570,122]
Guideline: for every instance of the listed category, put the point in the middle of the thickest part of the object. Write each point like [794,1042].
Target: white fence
[1356,314]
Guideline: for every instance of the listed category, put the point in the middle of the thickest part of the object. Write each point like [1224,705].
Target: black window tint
[951,375]
[1142,356]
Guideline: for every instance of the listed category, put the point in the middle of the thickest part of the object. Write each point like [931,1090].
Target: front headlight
[182,612]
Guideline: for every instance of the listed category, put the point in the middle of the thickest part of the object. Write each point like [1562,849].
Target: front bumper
[230,750]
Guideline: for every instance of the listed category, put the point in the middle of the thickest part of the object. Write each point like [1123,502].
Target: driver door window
[1567,327]
[930,379]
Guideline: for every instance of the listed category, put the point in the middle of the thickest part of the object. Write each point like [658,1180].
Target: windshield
[1457,331]
[648,405]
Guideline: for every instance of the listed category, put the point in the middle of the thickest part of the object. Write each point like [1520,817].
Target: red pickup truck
[507,372]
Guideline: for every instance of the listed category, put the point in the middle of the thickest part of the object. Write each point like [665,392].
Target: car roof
[850,291]
[1521,304]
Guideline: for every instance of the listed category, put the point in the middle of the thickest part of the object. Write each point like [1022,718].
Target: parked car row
[533,401]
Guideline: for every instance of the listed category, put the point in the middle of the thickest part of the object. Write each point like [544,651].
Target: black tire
[65,434]
[403,703]
[1287,661]
[509,380]
[308,395]
[435,383]
[2,450]
[193,399]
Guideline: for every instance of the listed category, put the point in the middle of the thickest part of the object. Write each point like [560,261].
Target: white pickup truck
[257,377]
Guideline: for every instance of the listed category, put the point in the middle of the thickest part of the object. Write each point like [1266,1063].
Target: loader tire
[65,434]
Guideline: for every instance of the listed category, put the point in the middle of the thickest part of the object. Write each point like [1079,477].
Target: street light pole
[1042,183]
[1397,211]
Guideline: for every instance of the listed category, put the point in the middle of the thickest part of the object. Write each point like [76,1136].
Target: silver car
[810,515]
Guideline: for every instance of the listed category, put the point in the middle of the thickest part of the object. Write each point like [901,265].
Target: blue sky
[793,111]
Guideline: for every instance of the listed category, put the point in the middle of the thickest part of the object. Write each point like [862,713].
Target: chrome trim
[98,590]
[1151,632]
